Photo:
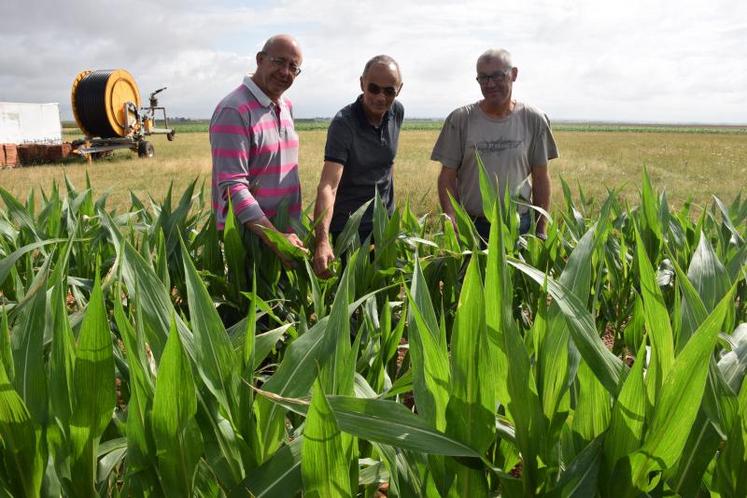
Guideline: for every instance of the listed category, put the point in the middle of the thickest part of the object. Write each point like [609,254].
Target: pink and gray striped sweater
[255,156]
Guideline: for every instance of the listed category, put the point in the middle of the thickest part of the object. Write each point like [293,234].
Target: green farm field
[606,361]
[687,163]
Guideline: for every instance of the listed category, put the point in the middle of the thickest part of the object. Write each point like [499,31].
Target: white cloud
[602,60]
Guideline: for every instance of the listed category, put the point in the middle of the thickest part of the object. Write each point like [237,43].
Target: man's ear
[514,73]
[362,87]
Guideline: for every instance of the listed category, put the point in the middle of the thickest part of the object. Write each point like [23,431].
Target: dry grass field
[685,165]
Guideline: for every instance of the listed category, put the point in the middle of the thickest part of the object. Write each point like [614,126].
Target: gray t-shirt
[508,147]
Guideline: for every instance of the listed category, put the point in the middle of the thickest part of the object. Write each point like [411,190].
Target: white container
[24,123]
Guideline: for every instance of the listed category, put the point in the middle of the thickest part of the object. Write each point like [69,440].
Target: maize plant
[144,354]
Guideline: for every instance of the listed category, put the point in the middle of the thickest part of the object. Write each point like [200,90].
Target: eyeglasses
[375,89]
[499,77]
[283,62]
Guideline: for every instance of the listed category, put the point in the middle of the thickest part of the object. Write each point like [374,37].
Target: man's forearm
[260,226]
[447,184]
[541,195]
[325,199]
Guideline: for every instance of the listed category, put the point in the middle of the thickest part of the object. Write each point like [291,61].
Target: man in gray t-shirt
[513,139]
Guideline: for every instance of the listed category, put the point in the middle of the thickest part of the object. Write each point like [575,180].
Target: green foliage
[141,354]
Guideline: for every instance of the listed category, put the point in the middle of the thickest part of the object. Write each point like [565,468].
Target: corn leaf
[279,477]
[297,373]
[608,368]
[19,213]
[152,296]
[324,465]
[430,364]
[349,232]
[176,434]
[555,352]
[30,380]
[94,392]
[214,357]
[580,476]
[391,423]
[140,444]
[497,309]
[592,413]
[246,396]
[62,358]
[625,431]
[523,403]
[470,413]
[681,395]
[488,187]
[21,454]
[9,261]
[731,480]
[658,325]
[6,352]
[707,274]
[472,402]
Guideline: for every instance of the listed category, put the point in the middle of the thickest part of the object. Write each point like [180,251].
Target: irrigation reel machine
[106,106]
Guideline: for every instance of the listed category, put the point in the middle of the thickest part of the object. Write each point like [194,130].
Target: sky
[638,61]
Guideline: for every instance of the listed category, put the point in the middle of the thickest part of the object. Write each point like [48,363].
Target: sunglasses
[375,89]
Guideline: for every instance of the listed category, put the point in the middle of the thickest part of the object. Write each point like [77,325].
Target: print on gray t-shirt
[508,147]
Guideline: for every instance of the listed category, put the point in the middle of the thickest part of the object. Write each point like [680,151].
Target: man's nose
[286,70]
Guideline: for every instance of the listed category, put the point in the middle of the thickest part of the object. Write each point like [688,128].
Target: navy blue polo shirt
[367,155]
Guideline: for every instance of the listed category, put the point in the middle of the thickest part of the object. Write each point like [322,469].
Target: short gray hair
[381,59]
[499,54]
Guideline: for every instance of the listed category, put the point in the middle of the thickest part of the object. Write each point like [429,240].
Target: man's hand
[323,257]
[447,185]
[326,192]
[293,239]
[289,263]
[266,231]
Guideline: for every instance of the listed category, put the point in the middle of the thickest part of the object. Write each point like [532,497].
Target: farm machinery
[106,106]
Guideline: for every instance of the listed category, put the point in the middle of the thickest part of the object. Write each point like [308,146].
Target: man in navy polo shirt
[358,158]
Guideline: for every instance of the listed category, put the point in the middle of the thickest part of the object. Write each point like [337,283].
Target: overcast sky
[628,60]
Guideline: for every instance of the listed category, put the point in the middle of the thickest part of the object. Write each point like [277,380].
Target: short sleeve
[449,148]
[399,112]
[339,142]
[543,147]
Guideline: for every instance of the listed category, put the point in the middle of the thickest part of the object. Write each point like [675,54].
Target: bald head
[278,64]
[500,55]
[281,42]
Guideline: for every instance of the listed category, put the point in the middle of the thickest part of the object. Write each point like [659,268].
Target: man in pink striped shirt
[255,146]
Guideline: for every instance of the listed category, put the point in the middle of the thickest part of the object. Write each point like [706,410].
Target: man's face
[496,79]
[380,86]
[278,67]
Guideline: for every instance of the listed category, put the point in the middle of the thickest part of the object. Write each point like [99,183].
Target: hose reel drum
[106,106]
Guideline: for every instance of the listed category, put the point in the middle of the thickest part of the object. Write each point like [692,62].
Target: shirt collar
[263,99]
[363,119]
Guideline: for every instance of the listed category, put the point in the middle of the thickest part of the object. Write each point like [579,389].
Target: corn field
[142,356]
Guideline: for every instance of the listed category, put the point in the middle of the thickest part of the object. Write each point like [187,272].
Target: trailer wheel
[170,136]
[145,149]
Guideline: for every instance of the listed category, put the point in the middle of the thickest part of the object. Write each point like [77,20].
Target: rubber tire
[145,149]
[170,136]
